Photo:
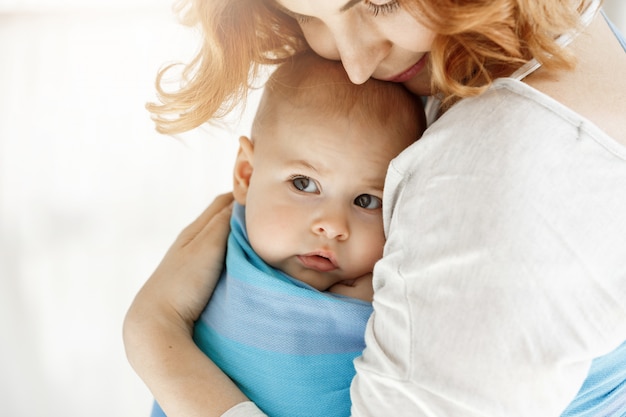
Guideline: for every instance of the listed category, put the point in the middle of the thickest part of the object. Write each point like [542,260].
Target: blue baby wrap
[604,390]
[287,346]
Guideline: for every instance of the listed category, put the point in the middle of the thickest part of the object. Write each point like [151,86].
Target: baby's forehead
[326,102]
[338,137]
[369,125]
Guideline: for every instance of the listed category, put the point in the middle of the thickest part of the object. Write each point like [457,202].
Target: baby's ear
[243,170]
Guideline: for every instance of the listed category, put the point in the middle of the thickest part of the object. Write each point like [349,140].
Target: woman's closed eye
[381,9]
[368,201]
[375,7]
[304,184]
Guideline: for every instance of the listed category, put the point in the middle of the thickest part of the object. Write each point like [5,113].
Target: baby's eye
[368,201]
[305,184]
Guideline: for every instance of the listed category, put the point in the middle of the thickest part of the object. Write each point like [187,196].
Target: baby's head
[312,176]
[314,88]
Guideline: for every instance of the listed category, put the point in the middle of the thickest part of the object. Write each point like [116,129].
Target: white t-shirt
[504,272]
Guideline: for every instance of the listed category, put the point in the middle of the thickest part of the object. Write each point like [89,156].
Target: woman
[502,284]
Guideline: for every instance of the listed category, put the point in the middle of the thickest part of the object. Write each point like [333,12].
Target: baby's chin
[317,280]
[321,281]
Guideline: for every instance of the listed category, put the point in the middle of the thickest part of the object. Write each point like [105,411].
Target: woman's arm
[158,326]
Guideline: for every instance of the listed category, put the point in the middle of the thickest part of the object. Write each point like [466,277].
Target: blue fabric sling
[604,391]
[288,346]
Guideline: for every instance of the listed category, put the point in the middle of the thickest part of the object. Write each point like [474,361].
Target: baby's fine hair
[322,88]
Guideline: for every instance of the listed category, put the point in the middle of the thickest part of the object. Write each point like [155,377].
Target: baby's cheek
[259,234]
[269,237]
[371,251]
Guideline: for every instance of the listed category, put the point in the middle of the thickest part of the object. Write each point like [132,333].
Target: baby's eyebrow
[372,182]
[304,163]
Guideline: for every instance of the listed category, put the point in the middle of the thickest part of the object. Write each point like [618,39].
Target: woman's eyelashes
[381,9]
[372,7]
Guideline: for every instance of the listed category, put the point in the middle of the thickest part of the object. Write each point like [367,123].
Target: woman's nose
[360,51]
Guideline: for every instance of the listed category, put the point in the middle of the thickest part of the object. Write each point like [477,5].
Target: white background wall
[90,195]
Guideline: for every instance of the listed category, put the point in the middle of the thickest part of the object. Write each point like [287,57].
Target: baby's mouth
[320,262]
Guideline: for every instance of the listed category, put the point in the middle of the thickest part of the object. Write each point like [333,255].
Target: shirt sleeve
[503,273]
[244,409]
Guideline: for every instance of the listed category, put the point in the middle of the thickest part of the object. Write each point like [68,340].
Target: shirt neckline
[565,39]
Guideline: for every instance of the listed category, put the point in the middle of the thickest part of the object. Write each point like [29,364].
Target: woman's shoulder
[509,118]
[511,146]
[513,103]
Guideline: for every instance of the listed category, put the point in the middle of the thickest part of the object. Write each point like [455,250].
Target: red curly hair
[477,41]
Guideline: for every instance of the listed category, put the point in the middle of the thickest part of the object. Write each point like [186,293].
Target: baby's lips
[318,262]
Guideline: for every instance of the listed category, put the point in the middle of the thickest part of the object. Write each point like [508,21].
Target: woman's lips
[411,72]
[318,262]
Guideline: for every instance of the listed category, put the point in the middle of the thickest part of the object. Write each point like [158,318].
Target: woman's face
[372,38]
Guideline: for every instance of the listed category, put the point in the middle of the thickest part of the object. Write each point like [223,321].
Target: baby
[288,315]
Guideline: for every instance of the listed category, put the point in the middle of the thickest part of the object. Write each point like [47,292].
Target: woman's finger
[190,232]
[188,273]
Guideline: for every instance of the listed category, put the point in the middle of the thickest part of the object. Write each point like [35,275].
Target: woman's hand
[159,324]
[187,275]
[360,288]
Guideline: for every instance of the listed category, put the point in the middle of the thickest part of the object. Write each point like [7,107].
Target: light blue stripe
[287,323]
[284,385]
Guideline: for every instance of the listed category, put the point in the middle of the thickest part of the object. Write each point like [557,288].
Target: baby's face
[314,204]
